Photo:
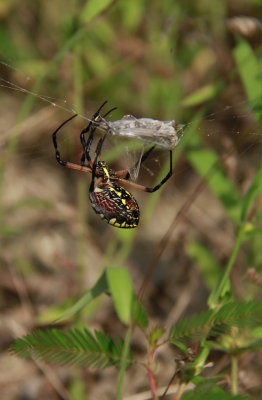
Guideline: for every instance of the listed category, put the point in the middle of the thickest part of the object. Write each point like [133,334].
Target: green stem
[234,374]
[123,364]
[222,288]
[233,256]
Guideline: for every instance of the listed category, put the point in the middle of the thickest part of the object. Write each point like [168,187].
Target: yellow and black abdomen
[115,205]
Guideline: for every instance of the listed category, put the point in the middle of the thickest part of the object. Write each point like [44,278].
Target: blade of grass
[93,8]
[250,73]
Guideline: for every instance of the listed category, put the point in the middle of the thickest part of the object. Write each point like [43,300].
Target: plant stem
[234,374]
[233,256]
[123,364]
[151,376]
[222,288]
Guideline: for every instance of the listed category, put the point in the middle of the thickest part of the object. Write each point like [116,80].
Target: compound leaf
[78,347]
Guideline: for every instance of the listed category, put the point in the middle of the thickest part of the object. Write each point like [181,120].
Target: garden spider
[113,203]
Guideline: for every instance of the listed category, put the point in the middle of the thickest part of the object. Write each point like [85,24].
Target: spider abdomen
[115,205]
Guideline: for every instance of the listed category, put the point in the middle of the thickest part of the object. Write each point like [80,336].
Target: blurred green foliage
[165,60]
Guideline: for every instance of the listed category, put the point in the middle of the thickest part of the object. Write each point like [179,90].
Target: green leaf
[155,335]
[215,394]
[128,308]
[120,285]
[181,346]
[132,12]
[140,316]
[205,384]
[214,322]
[93,8]
[202,95]
[192,328]
[241,314]
[116,281]
[74,347]
[250,72]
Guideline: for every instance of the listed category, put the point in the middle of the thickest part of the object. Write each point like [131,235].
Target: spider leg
[108,112]
[87,144]
[67,164]
[58,157]
[93,127]
[97,154]
[148,189]
[168,175]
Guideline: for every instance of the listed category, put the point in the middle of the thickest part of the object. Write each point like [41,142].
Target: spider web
[212,126]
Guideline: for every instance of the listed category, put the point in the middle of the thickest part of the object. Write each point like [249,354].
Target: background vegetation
[188,61]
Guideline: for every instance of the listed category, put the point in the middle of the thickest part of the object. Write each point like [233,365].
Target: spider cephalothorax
[113,203]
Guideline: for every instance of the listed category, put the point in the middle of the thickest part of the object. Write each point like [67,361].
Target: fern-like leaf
[242,314]
[214,322]
[192,328]
[78,347]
